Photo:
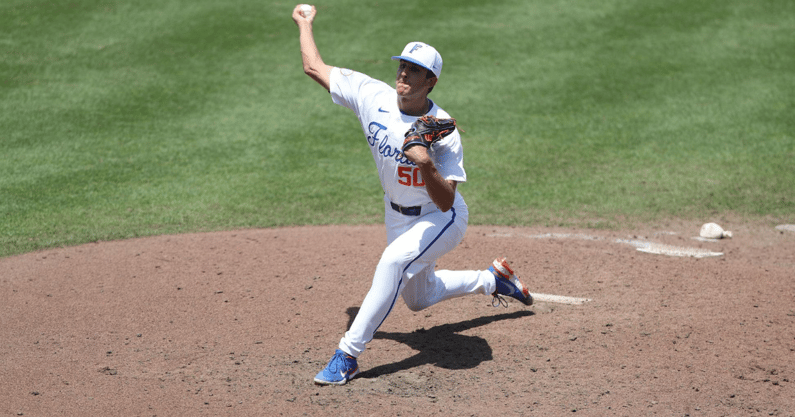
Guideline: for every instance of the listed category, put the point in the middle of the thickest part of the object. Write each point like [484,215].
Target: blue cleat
[508,284]
[340,369]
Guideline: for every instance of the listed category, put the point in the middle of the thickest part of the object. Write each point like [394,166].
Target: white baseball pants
[407,268]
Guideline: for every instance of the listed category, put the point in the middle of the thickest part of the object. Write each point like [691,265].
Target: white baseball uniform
[418,232]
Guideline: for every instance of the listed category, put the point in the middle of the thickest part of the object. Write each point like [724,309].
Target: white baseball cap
[423,55]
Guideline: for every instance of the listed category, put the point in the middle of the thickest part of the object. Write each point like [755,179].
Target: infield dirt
[238,323]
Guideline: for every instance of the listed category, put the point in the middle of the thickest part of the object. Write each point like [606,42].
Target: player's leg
[387,284]
[426,287]
[425,240]
[429,287]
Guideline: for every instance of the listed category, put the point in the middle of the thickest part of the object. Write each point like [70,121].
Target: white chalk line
[786,227]
[640,245]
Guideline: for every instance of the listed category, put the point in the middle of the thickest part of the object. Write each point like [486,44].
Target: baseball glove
[427,130]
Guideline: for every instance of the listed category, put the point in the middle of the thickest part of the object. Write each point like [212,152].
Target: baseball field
[189,223]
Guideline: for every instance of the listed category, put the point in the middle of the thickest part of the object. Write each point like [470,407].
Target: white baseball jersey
[384,125]
[407,267]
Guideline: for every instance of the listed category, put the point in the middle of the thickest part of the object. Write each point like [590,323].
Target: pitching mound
[238,323]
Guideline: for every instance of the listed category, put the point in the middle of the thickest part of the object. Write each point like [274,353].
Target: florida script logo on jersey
[408,172]
[378,139]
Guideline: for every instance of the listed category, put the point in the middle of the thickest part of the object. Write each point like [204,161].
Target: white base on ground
[560,299]
[659,249]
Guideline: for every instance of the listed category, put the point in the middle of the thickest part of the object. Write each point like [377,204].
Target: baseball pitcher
[419,158]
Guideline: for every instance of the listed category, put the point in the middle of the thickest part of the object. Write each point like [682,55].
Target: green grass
[133,118]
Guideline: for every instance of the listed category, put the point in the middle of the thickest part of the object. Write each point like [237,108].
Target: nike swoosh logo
[346,375]
[381,110]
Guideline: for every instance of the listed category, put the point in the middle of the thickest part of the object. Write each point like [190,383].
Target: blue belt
[408,211]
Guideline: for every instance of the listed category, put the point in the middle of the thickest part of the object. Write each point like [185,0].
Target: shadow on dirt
[441,345]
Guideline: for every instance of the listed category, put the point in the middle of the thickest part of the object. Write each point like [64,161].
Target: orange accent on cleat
[502,268]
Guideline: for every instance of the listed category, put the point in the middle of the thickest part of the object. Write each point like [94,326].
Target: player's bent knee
[415,306]
[415,303]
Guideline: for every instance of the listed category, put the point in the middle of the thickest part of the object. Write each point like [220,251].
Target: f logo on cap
[423,55]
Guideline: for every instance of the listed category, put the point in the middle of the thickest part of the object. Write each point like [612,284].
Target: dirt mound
[238,323]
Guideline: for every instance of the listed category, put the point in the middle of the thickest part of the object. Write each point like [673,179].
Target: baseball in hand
[306,10]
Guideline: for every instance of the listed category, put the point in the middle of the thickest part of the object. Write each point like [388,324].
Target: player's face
[412,80]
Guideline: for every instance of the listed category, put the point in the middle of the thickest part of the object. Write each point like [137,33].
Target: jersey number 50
[410,176]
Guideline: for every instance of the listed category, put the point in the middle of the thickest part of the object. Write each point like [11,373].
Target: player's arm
[313,63]
[441,191]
